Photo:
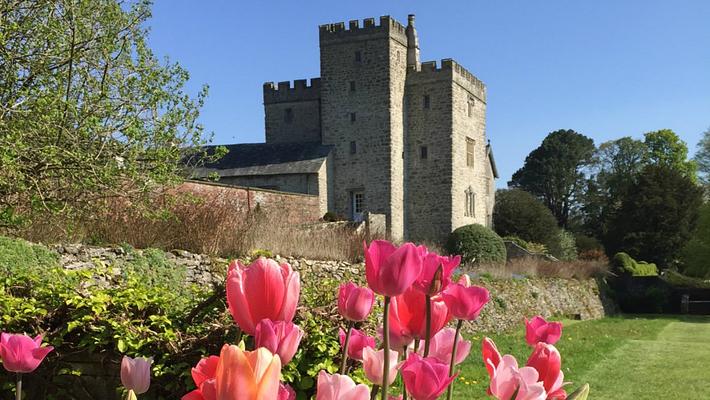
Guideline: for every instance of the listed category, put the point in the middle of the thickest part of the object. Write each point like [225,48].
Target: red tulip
[547,362]
[539,330]
[247,375]
[464,302]
[399,336]
[373,365]
[340,387]
[408,314]
[355,302]
[442,344]
[203,374]
[508,381]
[279,337]
[286,392]
[358,341]
[391,270]
[263,290]
[21,353]
[491,356]
[135,373]
[436,272]
[425,378]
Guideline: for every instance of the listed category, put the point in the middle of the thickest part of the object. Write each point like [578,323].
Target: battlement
[338,31]
[430,70]
[286,92]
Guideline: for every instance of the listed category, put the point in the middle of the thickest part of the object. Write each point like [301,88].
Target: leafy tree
[553,171]
[696,252]
[87,112]
[667,149]
[702,157]
[656,217]
[614,167]
[519,213]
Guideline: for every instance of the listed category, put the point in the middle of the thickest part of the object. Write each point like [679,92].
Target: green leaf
[121,344]
[580,394]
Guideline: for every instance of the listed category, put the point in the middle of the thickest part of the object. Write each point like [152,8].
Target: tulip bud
[539,330]
[279,337]
[135,373]
[354,302]
[21,353]
[437,281]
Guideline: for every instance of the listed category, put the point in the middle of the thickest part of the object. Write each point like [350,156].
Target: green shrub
[532,247]
[519,213]
[586,243]
[678,279]
[624,264]
[476,243]
[154,266]
[696,253]
[563,246]
[18,254]
[261,253]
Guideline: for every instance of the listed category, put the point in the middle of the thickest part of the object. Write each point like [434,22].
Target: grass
[636,357]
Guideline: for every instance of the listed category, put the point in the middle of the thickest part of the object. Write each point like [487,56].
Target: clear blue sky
[603,68]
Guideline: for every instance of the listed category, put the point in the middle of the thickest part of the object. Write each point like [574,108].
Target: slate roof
[267,159]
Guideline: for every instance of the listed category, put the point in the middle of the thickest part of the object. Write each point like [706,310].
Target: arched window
[470,210]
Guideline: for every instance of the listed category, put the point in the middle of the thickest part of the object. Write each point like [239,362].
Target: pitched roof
[267,159]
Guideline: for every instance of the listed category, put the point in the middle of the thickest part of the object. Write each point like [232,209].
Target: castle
[379,132]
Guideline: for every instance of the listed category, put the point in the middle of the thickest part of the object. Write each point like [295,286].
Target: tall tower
[363,74]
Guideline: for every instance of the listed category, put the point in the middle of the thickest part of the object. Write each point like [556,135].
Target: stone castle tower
[405,139]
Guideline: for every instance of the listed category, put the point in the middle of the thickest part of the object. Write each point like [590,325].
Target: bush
[476,243]
[586,244]
[532,247]
[624,264]
[17,253]
[696,253]
[563,246]
[519,213]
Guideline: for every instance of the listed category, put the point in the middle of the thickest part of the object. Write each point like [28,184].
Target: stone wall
[292,112]
[290,207]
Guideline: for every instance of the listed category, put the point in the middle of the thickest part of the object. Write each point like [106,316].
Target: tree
[656,217]
[87,112]
[553,171]
[614,167]
[667,149]
[696,252]
[702,157]
[519,213]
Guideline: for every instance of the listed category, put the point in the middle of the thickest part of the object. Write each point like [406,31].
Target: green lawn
[639,357]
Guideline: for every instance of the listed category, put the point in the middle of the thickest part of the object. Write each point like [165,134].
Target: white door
[358,205]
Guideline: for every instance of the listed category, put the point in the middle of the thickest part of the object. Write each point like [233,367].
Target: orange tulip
[247,375]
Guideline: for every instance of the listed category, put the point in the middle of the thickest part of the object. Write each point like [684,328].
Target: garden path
[674,365]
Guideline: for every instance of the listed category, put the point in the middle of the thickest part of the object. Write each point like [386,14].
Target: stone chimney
[412,45]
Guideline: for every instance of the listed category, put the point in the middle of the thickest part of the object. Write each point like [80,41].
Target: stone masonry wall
[303,101]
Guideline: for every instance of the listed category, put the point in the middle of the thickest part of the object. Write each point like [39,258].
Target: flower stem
[428,325]
[343,363]
[18,388]
[373,394]
[386,342]
[404,386]
[450,390]
[416,346]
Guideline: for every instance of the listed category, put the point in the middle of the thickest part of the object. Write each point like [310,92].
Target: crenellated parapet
[355,30]
[448,70]
[300,90]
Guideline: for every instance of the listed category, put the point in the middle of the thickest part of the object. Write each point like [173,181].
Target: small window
[471,104]
[353,147]
[358,56]
[470,209]
[427,101]
[352,86]
[424,152]
[359,202]
[470,147]
[353,117]
[288,115]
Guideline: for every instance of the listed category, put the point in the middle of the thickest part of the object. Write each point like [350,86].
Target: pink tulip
[391,270]
[263,290]
[464,302]
[204,376]
[358,341]
[355,302]
[491,355]
[547,362]
[373,363]
[21,353]
[436,272]
[425,378]
[340,387]
[508,380]
[247,375]
[539,330]
[408,315]
[442,345]
[286,392]
[279,337]
[399,336]
[135,373]
[464,280]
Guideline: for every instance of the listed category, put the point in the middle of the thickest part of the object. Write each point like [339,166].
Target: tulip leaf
[580,394]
